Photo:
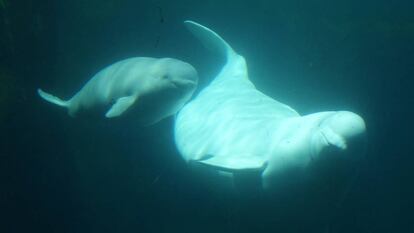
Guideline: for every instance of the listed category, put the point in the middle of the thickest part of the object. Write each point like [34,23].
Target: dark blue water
[62,174]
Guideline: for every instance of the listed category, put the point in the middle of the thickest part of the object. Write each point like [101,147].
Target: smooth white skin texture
[302,139]
[231,125]
[133,79]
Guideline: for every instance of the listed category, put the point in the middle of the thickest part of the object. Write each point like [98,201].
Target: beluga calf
[150,88]
[233,129]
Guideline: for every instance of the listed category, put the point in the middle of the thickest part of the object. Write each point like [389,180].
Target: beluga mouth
[184,83]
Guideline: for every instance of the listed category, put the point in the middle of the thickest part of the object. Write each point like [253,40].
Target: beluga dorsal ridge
[151,88]
[233,127]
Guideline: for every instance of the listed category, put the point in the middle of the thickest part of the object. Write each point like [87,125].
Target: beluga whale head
[346,125]
[173,73]
[170,84]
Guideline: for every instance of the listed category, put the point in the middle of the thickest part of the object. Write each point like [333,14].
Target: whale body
[154,88]
[232,128]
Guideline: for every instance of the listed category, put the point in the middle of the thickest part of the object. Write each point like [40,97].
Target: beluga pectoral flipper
[235,63]
[154,88]
[232,126]
[211,39]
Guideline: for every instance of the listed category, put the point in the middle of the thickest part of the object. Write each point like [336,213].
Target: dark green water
[62,174]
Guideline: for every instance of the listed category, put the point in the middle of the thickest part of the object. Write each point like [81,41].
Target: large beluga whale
[233,128]
[151,88]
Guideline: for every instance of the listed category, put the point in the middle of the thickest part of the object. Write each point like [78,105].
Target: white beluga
[231,127]
[151,88]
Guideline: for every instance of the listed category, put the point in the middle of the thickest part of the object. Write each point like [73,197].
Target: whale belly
[223,121]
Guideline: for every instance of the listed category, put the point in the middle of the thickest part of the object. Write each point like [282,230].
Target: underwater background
[63,174]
